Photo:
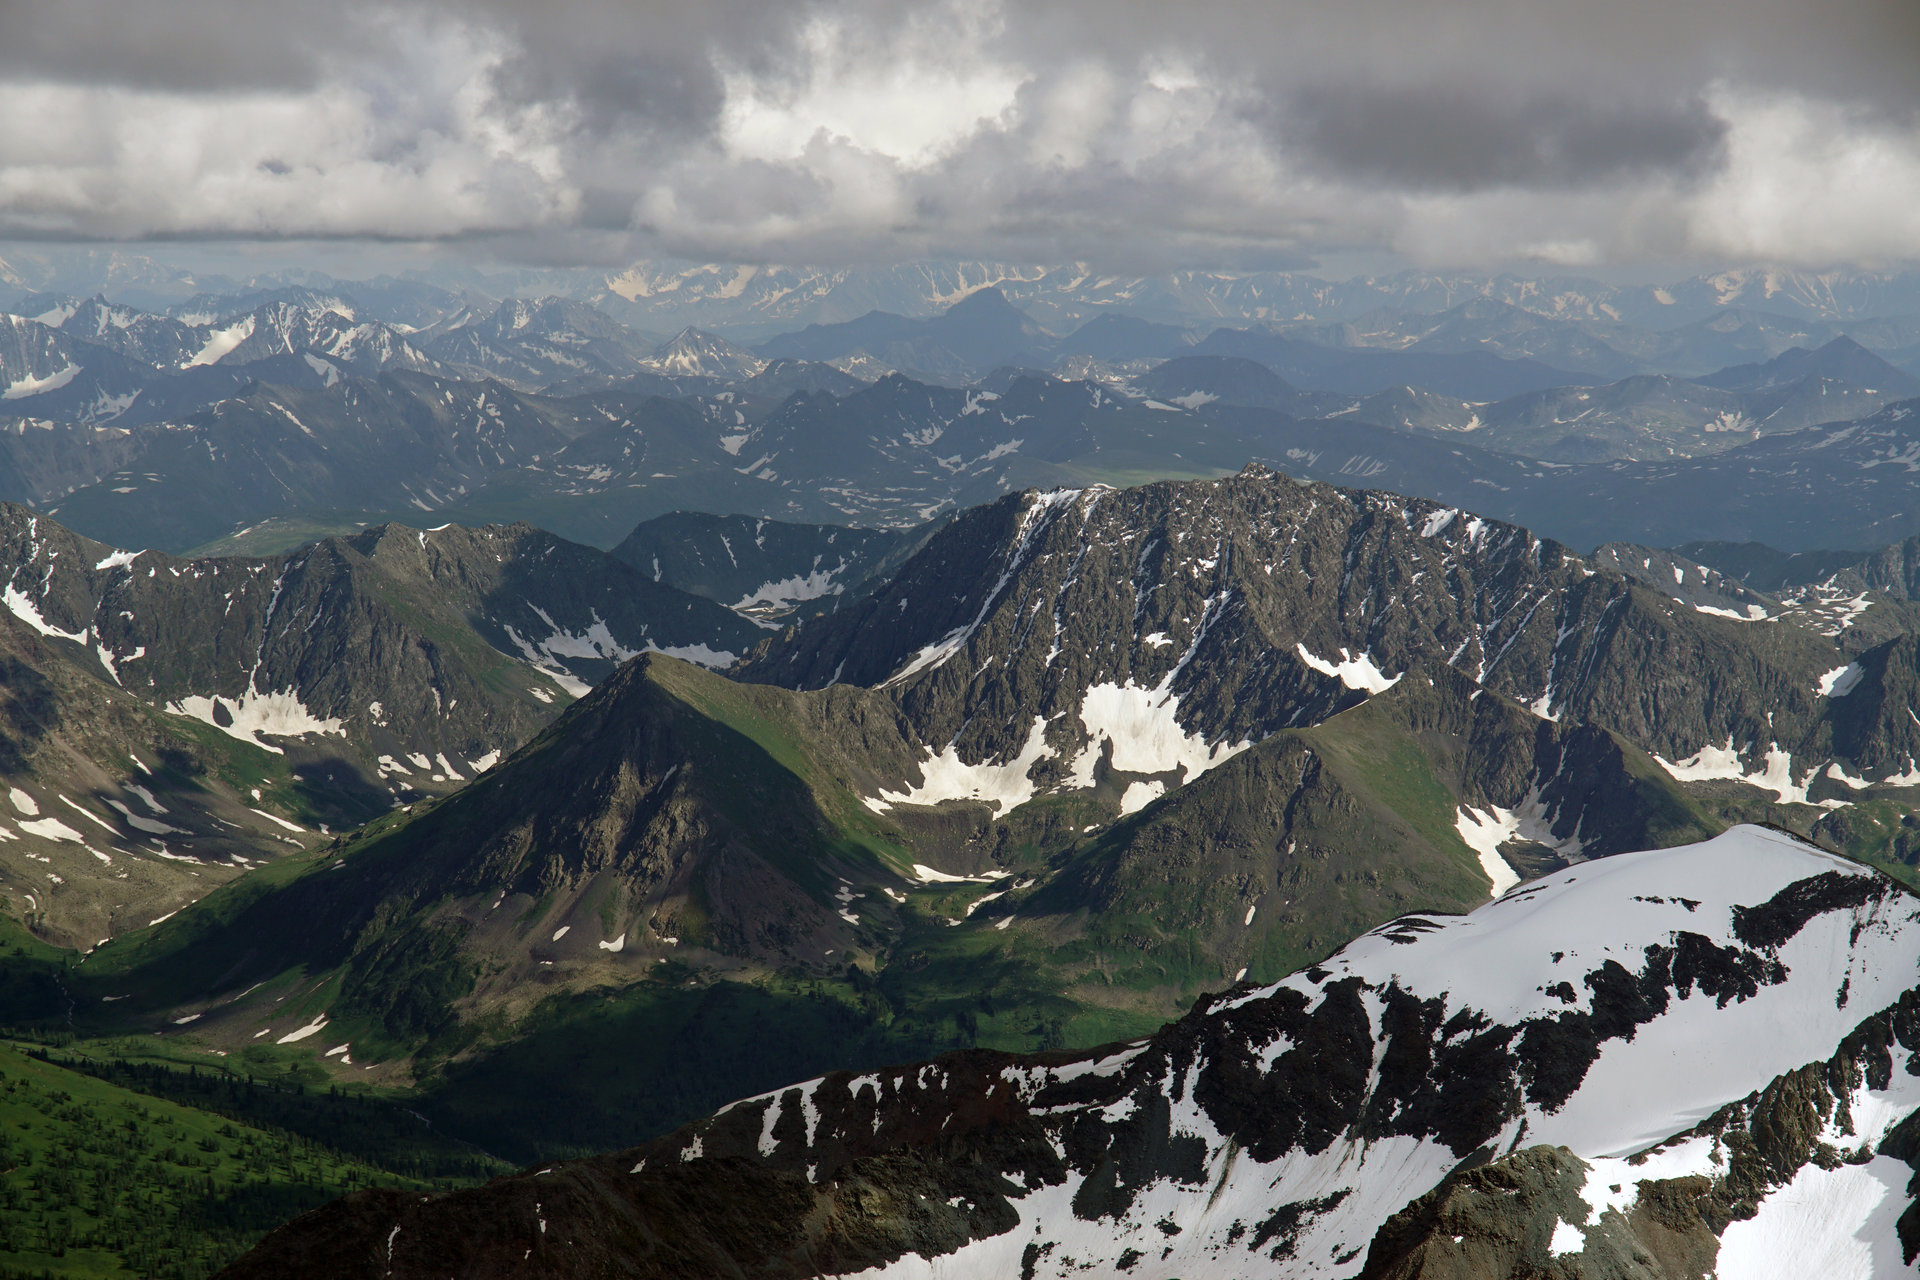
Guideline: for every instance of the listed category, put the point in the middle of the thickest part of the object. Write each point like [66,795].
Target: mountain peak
[1840,360]
[695,353]
[984,300]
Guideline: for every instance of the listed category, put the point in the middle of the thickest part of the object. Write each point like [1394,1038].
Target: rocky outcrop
[1505,1219]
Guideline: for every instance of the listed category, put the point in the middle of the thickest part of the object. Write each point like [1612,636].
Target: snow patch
[1484,833]
[1722,764]
[325,368]
[278,821]
[252,714]
[1356,673]
[945,776]
[24,609]
[32,386]
[791,591]
[1840,775]
[1142,729]
[1754,612]
[1840,681]
[52,829]
[221,342]
[312,1028]
[1826,1222]
[1139,795]
[148,825]
[699,654]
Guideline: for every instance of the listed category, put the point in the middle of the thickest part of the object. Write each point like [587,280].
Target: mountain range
[1062,296]
[1047,775]
[1009,711]
[669,295]
[321,420]
[1083,757]
[897,453]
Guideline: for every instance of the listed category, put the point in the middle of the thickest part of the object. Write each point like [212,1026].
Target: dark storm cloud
[165,44]
[1454,139]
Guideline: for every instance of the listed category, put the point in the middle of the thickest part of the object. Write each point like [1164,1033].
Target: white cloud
[416,144]
[1810,181]
[912,99]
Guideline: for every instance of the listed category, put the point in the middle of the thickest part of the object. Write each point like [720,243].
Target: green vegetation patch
[97,1180]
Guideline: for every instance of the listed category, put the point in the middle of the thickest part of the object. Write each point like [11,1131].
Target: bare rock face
[1523,1215]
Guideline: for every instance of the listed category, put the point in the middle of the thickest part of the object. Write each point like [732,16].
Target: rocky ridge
[1049,641]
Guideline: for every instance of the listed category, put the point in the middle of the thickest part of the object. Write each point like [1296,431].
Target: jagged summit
[1050,640]
[696,354]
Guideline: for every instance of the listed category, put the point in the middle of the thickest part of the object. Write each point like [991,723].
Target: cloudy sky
[1207,132]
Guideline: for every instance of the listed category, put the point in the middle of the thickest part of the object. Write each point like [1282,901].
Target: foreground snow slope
[1604,1009]
[1717,1035]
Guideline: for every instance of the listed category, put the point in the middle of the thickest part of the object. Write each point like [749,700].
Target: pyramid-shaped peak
[984,301]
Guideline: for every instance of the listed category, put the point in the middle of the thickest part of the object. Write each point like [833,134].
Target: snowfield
[1807,948]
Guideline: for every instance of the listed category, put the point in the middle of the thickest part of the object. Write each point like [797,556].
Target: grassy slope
[102,1181]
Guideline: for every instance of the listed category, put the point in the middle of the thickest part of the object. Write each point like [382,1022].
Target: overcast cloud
[1201,133]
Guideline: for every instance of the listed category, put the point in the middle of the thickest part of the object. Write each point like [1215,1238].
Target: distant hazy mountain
[759,301]
[1842,361]
[900,452]
[90,362]
[981,332]
[1477,374]
[694,354]
[766,299]
[1193,381]
[1644,417]
[534,343]
[1116,337]
[1492,326]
